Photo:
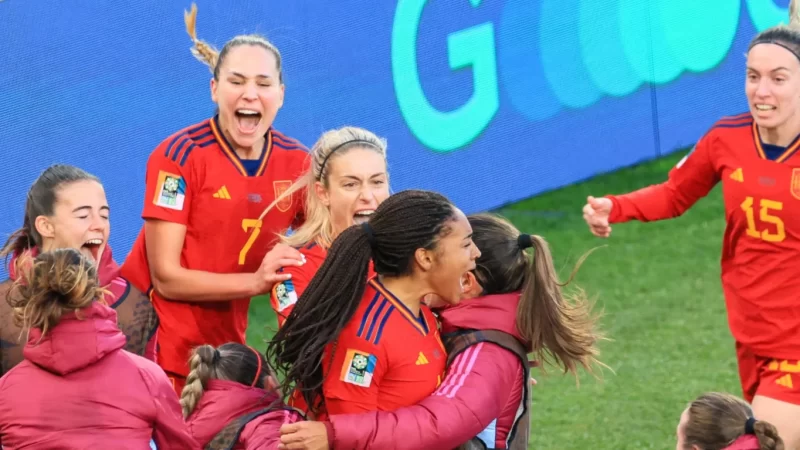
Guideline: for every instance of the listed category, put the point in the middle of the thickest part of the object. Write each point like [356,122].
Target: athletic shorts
[778,379]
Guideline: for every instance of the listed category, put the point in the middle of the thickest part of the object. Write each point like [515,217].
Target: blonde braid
[201,50]
[202,364]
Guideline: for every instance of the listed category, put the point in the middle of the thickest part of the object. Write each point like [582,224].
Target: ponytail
[323,310]
[767,435]
[560,327]
[232,362]
[17,243]
[60,281]
[201,369]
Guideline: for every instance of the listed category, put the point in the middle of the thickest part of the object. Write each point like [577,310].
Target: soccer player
[67,208]
[755,156]
[515,302]
[201,253]
[347,180]
[379,345]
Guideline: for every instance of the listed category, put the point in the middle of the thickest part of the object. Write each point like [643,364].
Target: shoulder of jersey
[181,146]
[738,121]
[284,142]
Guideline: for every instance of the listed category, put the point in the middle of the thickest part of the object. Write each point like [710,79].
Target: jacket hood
[79,340]
[490,312]
[222,402]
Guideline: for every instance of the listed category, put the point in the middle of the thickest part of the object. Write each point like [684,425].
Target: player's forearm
[184,285]
[657,202]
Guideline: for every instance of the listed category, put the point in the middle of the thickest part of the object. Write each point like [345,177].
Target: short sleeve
[168,190]
[353,377]
[284,295]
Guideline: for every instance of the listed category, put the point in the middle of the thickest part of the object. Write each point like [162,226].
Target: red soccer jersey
[195,178]
[761,245]
[285,294]
[385,358]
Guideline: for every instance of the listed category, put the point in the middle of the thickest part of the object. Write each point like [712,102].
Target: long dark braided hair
[403,223]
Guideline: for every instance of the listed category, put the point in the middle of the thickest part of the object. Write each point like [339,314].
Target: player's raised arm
[689,181]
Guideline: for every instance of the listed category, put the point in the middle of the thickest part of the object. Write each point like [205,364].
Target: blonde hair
[232,361]
[716,420]
[330,146]
[787,36]
[57,282]
[208,54]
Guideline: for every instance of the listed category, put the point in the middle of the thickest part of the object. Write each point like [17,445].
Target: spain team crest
[795,187]
[280,187]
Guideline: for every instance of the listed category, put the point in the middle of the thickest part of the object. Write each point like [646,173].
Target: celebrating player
[379,345]
[67,208]
[755,156]
[512,305]
[347,180]
[717,420]
[77,387]
[202,250]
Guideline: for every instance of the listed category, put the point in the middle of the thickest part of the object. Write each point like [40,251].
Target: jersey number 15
[765,216]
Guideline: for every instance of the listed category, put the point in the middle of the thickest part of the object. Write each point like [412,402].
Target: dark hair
[716,420]
[214,58]
[787,36]
[59,281]
[403,223]
[41,201]
[232,362]
[560,328]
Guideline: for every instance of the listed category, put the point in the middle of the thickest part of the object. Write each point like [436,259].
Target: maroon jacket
[224,401]
[77,388]
[479,397]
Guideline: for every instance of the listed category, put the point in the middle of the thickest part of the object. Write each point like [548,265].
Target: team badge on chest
[280,187]
[795,183]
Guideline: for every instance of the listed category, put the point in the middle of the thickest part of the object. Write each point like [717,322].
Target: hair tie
[749,426]
[216,357]
[258,371]
[524,241]
[330,153]
[370,235]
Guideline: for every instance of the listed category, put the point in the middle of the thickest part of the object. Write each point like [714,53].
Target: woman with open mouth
[346,182]
[203,251]
[374,336]
[67,208]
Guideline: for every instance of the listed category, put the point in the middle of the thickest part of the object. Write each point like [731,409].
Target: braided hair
[403,223]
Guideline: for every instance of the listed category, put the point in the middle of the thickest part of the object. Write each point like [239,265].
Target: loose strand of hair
[561,327]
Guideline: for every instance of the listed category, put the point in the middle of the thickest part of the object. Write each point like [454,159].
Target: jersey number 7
[766,217]
[247,224]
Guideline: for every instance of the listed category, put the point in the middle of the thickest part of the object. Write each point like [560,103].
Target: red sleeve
[284,295]
[689,181]
[468,400]
[169,428]
[353,378]
[168,190]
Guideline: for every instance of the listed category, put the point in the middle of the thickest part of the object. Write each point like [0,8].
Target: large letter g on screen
[474,46]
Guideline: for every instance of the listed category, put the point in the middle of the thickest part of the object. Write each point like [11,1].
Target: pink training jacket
[479,396]
[77,389]
[223,401]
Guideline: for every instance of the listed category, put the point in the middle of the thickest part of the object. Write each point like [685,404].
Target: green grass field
[658,285]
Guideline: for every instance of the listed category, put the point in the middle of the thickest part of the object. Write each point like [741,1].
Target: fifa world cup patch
[170,191]
[285,294]
[358,368]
